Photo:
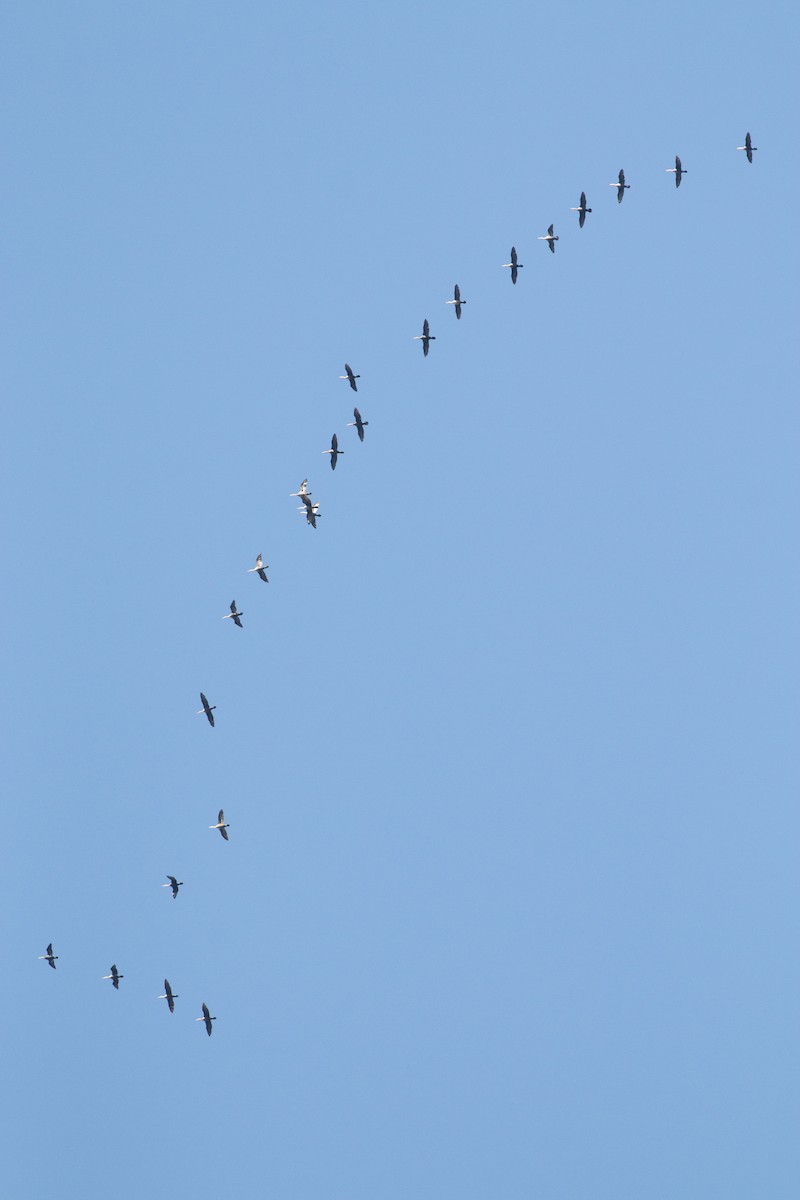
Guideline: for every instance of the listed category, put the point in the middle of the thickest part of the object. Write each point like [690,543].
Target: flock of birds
[312,513]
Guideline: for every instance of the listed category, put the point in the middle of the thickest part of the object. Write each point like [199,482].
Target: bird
[302,491]
[748,148]
[50,957]
[549,237]
[515,266]
[350,377]
[207,709]
[457,301]
[620,186]
[677,171]
[207,1018]
[169,996]
[234,615]
[220,825]
[334,451]
[173,883]
[581,209]
[358,423]
[114,976]
[312,512]
[259,569]
[426,337]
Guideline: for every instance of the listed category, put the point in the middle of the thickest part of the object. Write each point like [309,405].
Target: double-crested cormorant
[581,210]
[358,423]
[233,615]
[678,171]
[551,238]
[207,709]
[620,185]
[259,569]
[334,451]
[748,148]
[457,301]
[350,377]
[515,266]
[207,1018]
[220,825]
[114,976]
[169,996]
[49,958]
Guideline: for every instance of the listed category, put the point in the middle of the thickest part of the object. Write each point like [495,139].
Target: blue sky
[510,902]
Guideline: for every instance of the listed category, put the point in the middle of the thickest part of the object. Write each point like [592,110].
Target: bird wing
[221,817]
[262,574]
[425,328]
[224,833]
[259,562]
[204,702]
[206,1013]
[550,231]
[513,256]
[622,179]
[172,880]
[456,293]
[583,199]
[210,716]
[50,949]
[514,273]
[236,621]
[334,443]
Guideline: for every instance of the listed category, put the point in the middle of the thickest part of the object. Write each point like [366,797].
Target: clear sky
[510,905]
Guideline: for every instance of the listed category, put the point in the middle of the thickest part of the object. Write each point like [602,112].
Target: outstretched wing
[456,293]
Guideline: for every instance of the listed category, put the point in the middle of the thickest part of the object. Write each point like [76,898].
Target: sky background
[510,904]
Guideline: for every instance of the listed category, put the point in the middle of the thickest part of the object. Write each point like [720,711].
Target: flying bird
[49,957]
[358,423]
[551,238]
[207,709]
[114,976]
[234,615]
[334,451]
[457,301]
[426,337]
[581,210]
[748,148]
[259,569]
[515,266]
[302,490]
[169,996]
[677,171]
[311,510]
[220,825]
[620,186]
[350,377]
[173,883]
[207,1018]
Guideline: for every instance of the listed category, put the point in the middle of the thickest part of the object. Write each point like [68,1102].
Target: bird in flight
[551,238]
[169,996]
[514,264]
[678,171]
[173,883]
[620,185]
[234,615]
[457,301]
[220,825]
[334,451]
[259,569]
[350,377]
[207,1018]
[358,423]
[114,976]
[426,337]
[748,148]
[581,210]
[207,709]
[49,958]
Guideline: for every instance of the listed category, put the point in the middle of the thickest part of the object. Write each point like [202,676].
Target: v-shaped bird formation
[311,511]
